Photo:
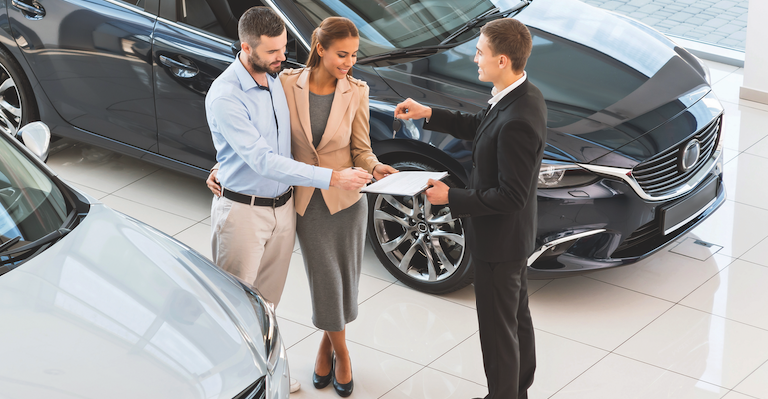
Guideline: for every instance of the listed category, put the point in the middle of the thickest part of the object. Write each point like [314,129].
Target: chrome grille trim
[714,161]
[660,174]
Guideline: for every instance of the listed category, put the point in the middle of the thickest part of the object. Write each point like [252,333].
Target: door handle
[31,11]
[179,69]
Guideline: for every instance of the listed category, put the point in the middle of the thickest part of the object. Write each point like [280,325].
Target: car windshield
[386,25]
[31,205]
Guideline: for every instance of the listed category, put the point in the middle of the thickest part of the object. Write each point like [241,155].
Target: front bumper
[611,224]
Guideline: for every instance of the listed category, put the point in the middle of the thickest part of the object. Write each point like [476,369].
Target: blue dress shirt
[252,135]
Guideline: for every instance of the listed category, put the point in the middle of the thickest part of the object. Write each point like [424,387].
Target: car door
[93,60]
[192,46]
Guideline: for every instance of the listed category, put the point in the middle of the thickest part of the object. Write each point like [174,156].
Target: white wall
[755,86]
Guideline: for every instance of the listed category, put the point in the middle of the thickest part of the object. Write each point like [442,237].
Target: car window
[386,25]
[137,3]
[31,205]
[199,14]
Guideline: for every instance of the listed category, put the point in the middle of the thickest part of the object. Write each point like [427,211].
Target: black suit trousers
[506,329]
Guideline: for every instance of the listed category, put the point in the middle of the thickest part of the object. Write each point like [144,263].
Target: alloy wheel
[425,242]
[10,103]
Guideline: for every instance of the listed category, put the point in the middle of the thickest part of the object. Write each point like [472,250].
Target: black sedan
[633,158]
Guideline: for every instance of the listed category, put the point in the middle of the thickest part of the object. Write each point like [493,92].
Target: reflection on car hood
[117,309]
[607,80]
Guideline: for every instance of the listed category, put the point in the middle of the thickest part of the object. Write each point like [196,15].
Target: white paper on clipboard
[406,184]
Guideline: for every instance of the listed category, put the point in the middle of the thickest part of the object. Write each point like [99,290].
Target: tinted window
[198,13]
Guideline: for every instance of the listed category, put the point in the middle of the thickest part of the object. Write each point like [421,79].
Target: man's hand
[381,171]
[410,109]
[213,183]
[437,194]
[350,179]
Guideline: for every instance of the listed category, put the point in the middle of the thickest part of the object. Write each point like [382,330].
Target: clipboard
[406,183]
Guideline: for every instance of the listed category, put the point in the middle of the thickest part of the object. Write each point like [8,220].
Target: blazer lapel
[301,93]
[500,106]
[341,99]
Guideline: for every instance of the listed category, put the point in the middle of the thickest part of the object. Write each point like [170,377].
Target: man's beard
[258,66]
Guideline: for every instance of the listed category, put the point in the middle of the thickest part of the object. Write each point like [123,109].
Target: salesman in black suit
[500,203]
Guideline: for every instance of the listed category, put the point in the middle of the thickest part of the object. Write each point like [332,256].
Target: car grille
[629,247]
[257,390]
[661,174]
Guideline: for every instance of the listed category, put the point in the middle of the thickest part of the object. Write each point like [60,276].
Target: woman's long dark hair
[330,30]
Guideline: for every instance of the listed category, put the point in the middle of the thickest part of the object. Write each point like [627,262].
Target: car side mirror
[36,136]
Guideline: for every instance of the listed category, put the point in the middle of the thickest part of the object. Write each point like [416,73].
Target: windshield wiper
[46,239]
[405,52]
[494,13]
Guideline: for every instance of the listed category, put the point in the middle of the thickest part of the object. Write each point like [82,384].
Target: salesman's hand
[381,171]
[437,194]
[350,179]
[410,109]
[213,183]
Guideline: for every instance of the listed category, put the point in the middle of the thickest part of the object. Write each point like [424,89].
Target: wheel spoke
[457,238]
[449,266]
[447,218]
[430,261]
[427,207]
[381,215]
[7,84]
[16,111]
[392,245]
[405,263]
[6,126]
[398,205]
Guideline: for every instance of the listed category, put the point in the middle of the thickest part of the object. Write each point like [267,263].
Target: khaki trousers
[254,243]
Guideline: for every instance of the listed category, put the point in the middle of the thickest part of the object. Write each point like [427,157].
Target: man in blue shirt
[253,220]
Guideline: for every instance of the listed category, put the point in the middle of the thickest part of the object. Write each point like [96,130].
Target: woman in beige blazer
[330,128]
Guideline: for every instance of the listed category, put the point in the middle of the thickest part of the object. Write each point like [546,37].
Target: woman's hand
[213,183]
[381,171]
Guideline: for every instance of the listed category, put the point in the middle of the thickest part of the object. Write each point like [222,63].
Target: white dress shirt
[498,95]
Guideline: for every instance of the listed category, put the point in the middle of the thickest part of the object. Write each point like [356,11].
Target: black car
[632,162]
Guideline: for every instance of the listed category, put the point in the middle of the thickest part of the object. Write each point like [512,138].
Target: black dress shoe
[343,390]
[322,381]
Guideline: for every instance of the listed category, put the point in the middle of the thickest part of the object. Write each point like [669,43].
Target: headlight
[558,174]
[265,313]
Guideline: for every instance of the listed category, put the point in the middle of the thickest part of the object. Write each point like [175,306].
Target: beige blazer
[346,140]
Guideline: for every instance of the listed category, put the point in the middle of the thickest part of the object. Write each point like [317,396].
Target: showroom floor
[689,322]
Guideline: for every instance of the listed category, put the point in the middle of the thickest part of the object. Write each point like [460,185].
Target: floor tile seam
[449,350]
[745,378]
[74,183]
[435,296]
[763,329]
[745,105]
[569,338]
[376,293]
[749,153]
[379,278]
[737,155]
[187,228]
[294,321]
[402,382]
[303,339]
[749,205]
[157,209]
[671,371]
[539,289]
[753,262]
[140,178]
[385,352]
[633,290]
[643,327]
[581,374]
[456,376]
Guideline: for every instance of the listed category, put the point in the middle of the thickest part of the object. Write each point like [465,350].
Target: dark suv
[632,160]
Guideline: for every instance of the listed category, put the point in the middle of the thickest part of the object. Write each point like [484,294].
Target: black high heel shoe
[343,390]
[322,381]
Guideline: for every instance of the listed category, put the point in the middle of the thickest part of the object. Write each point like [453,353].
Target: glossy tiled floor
[689,322]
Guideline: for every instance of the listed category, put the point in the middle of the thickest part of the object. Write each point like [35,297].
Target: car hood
[118,309]
[607,79]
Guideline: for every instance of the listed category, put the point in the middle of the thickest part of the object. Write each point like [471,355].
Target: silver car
[94,304]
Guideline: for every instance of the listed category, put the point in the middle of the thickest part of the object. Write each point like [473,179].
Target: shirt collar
[245,78]
[498,95]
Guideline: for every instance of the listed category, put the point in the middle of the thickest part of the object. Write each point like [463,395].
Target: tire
[17,102]
[405,228]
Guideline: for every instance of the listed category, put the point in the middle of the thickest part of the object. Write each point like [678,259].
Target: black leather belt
[258,201]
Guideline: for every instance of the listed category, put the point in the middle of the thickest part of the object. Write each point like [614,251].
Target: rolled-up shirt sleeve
[235,126]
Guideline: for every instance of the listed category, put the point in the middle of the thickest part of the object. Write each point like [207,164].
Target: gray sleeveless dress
[331,245]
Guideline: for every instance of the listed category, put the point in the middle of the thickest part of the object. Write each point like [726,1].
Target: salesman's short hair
[509,37]
[259,21]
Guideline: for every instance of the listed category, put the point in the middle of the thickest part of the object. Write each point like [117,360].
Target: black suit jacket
[508,144]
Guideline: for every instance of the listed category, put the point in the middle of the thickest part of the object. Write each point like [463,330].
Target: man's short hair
[509,37]
[258,21]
